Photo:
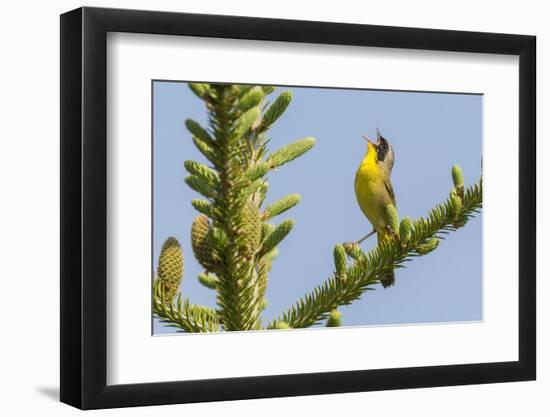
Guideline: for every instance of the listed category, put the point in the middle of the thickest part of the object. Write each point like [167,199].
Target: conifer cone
[201,242]
[252,228]
[170,267]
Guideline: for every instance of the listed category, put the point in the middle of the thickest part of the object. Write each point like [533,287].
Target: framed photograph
[258,208]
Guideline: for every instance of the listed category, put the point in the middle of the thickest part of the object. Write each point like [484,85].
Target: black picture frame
[84,207]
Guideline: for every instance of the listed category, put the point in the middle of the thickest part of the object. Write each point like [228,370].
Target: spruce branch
[251,98]
[200,186]
[205,148]
[228,245]
[205,207]
[204,174]
[276,109]
[280,206]
[257,171]
[198,131]
[247,121]
[208,280]
[362,275]
[188,317]
[340,262]
[277,235]
[458,180]
[405,230]
[200,90]
[229,238]
[291,152]
[268,89]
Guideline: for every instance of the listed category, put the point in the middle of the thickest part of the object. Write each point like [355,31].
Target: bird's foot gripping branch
[233,237]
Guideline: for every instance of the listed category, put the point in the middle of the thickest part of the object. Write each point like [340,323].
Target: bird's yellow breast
[371,192]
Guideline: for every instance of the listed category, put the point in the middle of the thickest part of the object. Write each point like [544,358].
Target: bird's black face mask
[382,148]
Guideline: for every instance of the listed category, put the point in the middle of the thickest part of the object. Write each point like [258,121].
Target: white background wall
[29,225]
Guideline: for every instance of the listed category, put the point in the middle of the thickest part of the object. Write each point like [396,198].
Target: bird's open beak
[368,140]
[378,136]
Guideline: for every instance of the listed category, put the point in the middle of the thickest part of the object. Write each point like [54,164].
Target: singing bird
[374,190]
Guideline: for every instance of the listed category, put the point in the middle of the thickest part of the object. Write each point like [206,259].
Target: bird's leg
[366,237]
[392,232]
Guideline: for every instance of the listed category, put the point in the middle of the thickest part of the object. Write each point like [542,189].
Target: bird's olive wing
[389,189]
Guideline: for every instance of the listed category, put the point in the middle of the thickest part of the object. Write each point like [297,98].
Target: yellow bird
[374,190]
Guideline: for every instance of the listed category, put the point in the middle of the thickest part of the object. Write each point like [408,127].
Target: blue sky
[429,132]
